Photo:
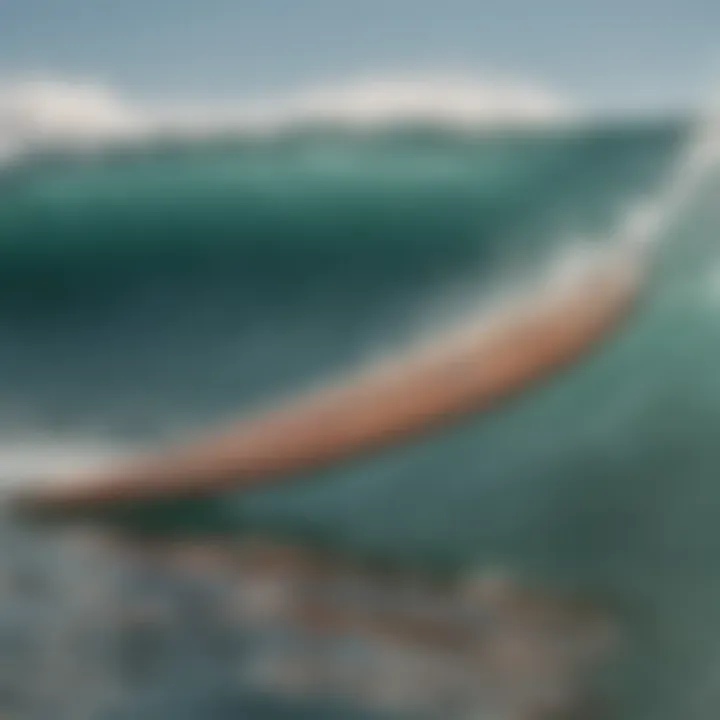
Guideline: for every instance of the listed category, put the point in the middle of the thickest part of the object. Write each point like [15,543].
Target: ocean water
[154,289]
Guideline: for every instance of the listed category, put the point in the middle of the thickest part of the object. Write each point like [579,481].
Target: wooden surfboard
[471,370]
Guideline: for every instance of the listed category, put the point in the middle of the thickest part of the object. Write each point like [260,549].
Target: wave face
[186,281]
[149,291]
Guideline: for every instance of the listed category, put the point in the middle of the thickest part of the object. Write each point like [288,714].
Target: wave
[469,370]
[282,260]
[152,290]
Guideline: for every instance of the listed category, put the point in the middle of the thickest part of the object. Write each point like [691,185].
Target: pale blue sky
[597,52]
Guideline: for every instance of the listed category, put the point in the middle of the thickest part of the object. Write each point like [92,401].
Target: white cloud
[54,110]
[461,100]
[47,109]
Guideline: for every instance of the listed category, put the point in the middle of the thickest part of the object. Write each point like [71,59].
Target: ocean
[150,290]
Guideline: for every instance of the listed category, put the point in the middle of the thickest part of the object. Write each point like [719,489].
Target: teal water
[148,292]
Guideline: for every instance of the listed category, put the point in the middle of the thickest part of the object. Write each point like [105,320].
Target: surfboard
[470,370]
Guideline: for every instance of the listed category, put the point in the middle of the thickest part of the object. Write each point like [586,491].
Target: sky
[599,53]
